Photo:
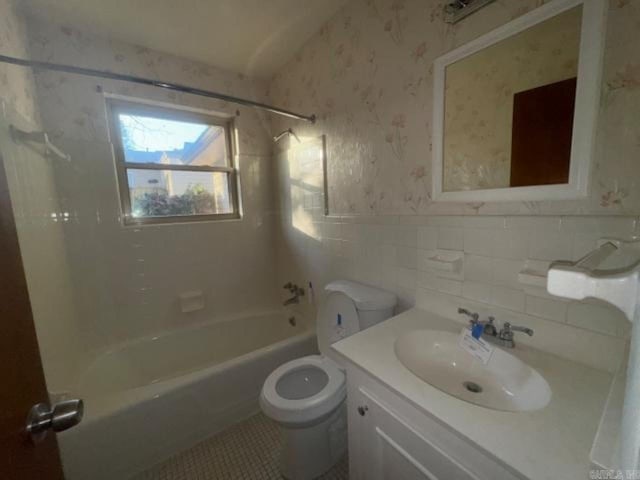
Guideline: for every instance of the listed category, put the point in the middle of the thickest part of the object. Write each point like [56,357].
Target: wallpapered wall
[368,76]
[127,280]
[479,92]
[16,84]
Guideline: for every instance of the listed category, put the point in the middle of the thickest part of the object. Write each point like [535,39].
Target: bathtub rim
[121,345]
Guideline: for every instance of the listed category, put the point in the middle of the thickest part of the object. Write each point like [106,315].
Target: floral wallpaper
[479,97]
[16,83]
[368,76]
[73,106]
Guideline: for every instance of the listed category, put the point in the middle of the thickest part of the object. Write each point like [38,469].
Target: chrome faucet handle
[489,327]
[288,286]
[508,329]
[473,316]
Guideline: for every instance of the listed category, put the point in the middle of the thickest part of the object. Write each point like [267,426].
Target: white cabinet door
[390,449]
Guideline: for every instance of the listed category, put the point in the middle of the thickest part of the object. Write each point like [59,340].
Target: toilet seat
[303,411]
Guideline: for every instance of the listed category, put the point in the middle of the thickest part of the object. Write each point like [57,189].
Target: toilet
[306,396]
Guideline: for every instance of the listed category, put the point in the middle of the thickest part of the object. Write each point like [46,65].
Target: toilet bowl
[304,391]
[306,396]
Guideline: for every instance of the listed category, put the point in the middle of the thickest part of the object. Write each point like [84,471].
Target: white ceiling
[255,37]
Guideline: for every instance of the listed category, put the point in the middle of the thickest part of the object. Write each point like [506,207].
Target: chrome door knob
[62,416]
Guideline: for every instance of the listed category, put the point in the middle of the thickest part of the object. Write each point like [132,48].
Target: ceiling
[255,37]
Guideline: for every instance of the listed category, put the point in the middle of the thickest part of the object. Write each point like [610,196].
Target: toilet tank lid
[364,296]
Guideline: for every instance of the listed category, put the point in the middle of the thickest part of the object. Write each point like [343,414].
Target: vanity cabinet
[390,439]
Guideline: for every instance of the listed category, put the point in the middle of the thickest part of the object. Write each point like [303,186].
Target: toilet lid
[296,408]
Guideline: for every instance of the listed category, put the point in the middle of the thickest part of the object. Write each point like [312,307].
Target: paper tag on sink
[479,348]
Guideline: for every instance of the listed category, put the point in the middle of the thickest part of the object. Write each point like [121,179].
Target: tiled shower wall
[35,202]
[127,280]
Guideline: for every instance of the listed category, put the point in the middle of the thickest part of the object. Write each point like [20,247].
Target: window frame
[115,107]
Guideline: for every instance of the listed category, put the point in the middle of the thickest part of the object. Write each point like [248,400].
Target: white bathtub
[150,398]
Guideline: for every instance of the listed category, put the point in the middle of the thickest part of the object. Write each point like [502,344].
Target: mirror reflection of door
[541,134]
[509,109]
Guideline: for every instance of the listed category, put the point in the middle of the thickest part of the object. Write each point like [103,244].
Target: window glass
[160,193]
[172,164]
[170,142]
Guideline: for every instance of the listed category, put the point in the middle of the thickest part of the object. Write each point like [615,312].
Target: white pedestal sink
[504,383]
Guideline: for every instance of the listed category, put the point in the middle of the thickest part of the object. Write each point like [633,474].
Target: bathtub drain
[472,387]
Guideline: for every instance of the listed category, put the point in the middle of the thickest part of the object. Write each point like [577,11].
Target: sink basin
[505,383]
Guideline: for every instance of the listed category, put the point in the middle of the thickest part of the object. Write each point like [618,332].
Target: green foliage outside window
[195,200]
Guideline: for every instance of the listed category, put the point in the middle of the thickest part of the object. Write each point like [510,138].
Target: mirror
[515,110]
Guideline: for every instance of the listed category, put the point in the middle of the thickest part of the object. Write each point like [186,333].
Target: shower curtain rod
[155,83]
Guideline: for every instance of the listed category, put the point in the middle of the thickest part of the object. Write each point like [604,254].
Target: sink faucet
[506,334]
[296,291]
[474,319]
[503,337]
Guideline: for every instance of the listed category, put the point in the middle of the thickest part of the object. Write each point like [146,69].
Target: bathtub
[150,398]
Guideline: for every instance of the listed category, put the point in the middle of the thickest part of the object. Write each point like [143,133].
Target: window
[172,165]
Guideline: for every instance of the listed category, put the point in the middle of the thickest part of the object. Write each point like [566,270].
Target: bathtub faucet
[296,291]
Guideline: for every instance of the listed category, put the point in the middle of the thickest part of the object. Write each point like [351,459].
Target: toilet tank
[348,308]
[369,318]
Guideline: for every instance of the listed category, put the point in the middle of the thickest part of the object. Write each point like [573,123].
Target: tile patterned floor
[246,451]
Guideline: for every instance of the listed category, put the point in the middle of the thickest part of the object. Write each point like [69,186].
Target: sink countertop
[551,443]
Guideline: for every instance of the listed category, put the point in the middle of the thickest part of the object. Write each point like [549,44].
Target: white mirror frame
[587,102]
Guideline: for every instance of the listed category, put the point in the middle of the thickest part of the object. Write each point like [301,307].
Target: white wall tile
[600,225]
[405,277]
[444,221]
[388,234]
[490,279]
[381,254]
[349,231]
[597,317]
[477,268]
[507,298]
[479,241]
[427,238]
[451,238]
[444,285]
[481,221]
[540,223]
[546,308]
[480,292]
[332,230]
[548,245]
[406,235]
[505,272]
[583,243]
[406,257]
[509,243]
